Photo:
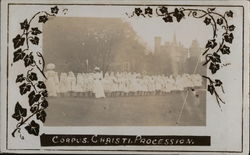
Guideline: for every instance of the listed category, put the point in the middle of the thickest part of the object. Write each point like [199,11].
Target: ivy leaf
[33,128]
[214,67]
[207,21]
[24,88]
[149,11]
[18,41]
[20,78]
[210,88]
[229,38]
[32,76]
[215,58]
[44,104]
[42,19]
[178,14]
[35,31]
[216,55]
[218,83]
[168,19]
[33,97]
[18,55]
[28,60]
[138,11]
[211,44]
[211,9]
[44,93]
[164,10]
[35,40]
[229,13]
[54,10]
[219,21]
[225,49]
[20,112]
[231,28]
[41,116]
[33,109]
[41,85]
[25,25]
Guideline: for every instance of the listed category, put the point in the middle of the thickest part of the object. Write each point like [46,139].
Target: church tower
[157,44]
[174,53]
[174,40]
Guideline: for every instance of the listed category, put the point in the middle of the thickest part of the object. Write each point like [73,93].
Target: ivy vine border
[29,82]
[213,49]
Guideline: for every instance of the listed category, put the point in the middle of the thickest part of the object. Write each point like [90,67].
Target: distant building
[180,58]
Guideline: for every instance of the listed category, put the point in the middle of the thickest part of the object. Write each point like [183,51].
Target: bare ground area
[128,111]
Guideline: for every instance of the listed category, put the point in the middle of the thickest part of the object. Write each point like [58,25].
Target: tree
[70,43]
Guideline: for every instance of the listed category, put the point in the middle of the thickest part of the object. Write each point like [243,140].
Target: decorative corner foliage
[30,84]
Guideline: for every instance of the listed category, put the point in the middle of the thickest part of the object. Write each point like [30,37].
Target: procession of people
[113,84]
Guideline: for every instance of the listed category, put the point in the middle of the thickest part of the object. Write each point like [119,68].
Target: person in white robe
[79,83]
[129,85]
[126,85]
[112,84]
[107,84]
[98,87]
[72,82]
[90,85]
[64,85]
[83,87]
[52,81]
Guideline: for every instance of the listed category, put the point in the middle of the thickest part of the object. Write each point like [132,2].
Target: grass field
[128,111]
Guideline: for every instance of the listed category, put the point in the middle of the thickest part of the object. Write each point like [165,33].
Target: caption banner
[112,140]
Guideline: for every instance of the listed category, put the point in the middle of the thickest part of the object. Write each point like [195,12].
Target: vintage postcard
[124,77]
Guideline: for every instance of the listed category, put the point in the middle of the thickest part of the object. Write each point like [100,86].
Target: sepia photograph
[103,72]
[148,77]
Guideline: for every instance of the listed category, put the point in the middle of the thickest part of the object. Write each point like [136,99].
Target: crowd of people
[113,84]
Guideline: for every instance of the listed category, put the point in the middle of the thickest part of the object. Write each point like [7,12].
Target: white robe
[72,81]
[52,83]
[98,87]
[79,83]
[64,85]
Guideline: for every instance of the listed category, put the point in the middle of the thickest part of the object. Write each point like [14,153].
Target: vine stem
[26,33]
[208,60]
[217,96]
[205,51]
[40,70]
[194,13]
[218,99]
[205,14]
[24,121]
[223,17]
[27,79]
[206,77]
[43,63]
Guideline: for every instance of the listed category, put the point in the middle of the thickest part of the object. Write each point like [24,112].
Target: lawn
[128,111]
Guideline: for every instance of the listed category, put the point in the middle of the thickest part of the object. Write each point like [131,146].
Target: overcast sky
[186,31]
[147,28]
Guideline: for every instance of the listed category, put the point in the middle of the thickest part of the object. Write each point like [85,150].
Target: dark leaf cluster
[30,84]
